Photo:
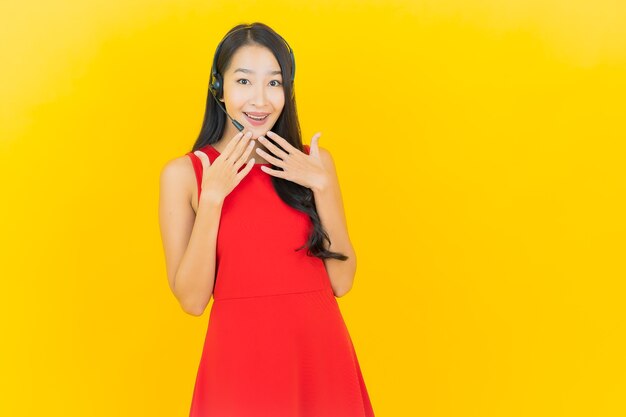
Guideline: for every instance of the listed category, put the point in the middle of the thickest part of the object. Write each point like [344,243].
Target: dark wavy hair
[287,126]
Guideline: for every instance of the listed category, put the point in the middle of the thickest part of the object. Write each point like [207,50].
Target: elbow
[194,306]
[194,309]
[340,292]
[344,286]
[195,313]
[190,302]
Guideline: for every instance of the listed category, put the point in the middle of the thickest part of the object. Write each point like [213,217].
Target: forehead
[255,58]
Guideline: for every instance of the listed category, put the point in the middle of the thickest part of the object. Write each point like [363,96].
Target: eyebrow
[248,71]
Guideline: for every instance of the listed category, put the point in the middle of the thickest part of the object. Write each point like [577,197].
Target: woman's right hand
[221,177]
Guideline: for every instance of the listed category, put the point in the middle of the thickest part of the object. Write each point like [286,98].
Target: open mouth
[257,118]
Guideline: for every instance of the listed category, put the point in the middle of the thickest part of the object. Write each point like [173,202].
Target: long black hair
[287,126]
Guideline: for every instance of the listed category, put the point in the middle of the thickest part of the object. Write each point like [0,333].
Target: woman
[249,218]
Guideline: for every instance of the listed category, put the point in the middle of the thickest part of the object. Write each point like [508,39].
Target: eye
[275,85]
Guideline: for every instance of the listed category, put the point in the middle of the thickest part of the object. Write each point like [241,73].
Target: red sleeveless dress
[276,343]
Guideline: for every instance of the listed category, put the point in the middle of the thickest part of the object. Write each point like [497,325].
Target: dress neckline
[218,152]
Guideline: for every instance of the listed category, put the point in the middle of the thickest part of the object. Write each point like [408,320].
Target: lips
[256,116]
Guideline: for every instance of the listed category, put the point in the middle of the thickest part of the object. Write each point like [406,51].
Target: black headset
[216,83]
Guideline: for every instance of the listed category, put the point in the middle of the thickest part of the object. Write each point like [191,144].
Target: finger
[233,142]
[242,146]
[273,148]
[204,158]
[273,172]
[270,158]
[314,148]
[239,147]
[281,141]
[245,170]
[242,159]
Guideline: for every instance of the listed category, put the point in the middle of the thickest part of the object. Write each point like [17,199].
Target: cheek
[237,98]
[278,100]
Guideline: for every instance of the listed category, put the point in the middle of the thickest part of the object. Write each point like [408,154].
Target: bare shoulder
[179,168]
[178,176]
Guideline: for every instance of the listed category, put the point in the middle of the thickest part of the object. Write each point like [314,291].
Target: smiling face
[253,89]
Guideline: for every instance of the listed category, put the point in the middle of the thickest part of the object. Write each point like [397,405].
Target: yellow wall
[480,148]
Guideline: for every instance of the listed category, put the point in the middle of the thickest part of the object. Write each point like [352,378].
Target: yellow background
[480,148]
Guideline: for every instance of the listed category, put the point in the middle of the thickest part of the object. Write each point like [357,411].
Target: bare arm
[189,238]
[329,205]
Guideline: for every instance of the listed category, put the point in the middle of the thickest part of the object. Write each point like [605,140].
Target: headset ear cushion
[217,85]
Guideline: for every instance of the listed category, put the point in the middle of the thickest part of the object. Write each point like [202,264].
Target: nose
[259,98]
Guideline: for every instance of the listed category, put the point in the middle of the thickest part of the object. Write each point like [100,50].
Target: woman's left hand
[306,170]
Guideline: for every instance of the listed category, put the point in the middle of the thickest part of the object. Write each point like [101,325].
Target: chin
[258,131]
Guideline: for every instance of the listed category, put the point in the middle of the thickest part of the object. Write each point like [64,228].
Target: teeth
[255,117]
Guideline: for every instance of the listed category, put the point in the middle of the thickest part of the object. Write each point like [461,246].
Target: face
[253,88]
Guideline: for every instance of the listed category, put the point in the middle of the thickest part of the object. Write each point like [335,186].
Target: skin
[189,227]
